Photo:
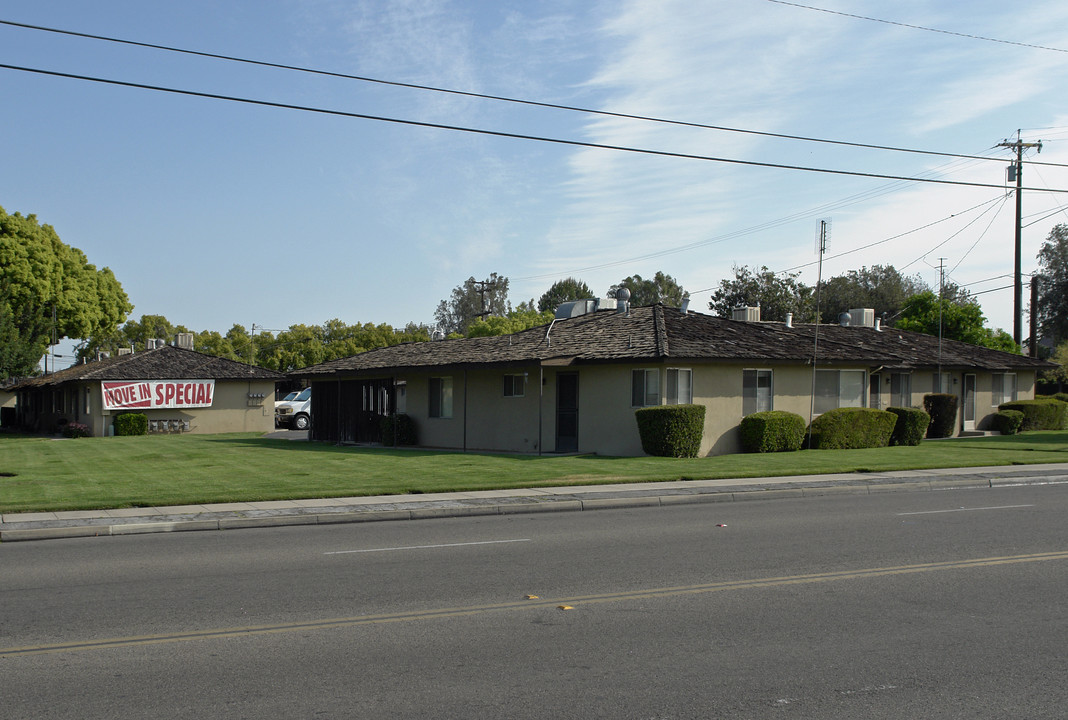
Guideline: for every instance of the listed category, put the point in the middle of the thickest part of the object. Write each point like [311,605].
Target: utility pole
[1016,173]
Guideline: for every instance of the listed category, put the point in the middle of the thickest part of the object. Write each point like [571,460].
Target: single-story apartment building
[573,385]
[179,389]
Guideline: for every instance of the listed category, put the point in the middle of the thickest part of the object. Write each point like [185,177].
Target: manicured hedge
[671,430]
[131,424]
[852,428]
[1056,396]
[1045,414]
[942,407]
[1007,422]
[772,431]
[911,425]
[406,430]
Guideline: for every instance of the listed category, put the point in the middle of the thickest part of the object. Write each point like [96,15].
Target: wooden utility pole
[1016,173]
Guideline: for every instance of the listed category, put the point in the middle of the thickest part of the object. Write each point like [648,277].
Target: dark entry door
[566,412]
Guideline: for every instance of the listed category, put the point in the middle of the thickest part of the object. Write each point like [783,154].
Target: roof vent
[125,351]
[184,340]
[623,301]
[845,319]
[746,313]
[685,304]
[789,320]
[575,308]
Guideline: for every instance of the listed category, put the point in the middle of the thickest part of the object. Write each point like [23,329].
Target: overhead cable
[499,98]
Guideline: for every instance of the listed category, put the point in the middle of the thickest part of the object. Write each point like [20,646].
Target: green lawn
[88,473]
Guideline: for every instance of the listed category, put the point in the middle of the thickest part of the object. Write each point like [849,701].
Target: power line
[918,27]
[498,98]
[500,133]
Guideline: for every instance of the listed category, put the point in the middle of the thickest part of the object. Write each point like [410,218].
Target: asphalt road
[938,604]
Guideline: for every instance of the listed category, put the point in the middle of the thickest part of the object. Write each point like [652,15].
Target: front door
[566,412]
[969,402]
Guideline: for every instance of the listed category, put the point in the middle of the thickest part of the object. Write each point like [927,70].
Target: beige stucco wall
[232,409]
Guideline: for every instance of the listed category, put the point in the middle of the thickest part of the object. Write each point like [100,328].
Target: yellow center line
[327,623]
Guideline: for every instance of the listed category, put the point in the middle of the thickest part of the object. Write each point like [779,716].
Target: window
[514,385]
[900,390]
[941,387]
[838,388]
[440,392]
[679,390]
[401,392]
[645,388]
[1004,388]
[756,391]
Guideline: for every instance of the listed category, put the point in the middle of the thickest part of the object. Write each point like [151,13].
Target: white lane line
[934,512]
[426,547]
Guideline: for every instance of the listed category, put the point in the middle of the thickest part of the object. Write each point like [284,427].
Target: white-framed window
[839,388]
[440,396]
[1003,387]
[515,385]
[679,386]
[757,391]
[944,386]
[401,395]
[645,387]
[900,390]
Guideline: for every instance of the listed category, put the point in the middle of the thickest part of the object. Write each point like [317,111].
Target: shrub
[1046,414]
[772,431]
[671,430]
[852,428]
[405,427]
[912,424]
[942,407]
[131,424]
[76,430]
[1063,397]
[1007,422]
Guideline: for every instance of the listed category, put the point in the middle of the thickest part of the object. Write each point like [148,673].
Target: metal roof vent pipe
[623,298]
[845,319]
[685,304]
[789,320]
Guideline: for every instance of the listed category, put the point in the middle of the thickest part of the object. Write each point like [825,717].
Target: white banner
[151,394]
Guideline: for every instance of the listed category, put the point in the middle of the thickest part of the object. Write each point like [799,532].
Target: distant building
[177,388]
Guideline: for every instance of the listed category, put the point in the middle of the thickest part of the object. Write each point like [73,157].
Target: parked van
[295,413]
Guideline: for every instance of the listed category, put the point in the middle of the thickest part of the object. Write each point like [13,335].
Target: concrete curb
[604,499]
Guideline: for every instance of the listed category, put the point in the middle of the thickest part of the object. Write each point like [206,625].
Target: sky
[214,212]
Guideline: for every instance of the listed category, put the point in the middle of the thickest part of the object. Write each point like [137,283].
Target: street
[922,604]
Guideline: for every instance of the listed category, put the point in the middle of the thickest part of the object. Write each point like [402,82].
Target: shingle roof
[165,363]
[656,333]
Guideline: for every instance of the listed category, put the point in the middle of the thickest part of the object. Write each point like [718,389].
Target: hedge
[1007,422]
[942,407]
[772,431]
[847,428]
[671,430]
[406,431]
[912,424]
[131,424]
[1045,414]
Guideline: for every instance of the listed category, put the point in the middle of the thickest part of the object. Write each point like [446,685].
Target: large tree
[775,294]
[957,320]
[1052,310]
[563,291]
[473,299]
[661,288]
[42,278]
[880,287]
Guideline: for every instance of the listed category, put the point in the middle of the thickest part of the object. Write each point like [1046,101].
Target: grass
[38,474]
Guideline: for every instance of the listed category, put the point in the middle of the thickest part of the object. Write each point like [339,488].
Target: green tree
[1052,310]
[880,287]
[522,318]
[661,288]
[776,295]
[563,291]
[41,275]
[1059,374]
[962,321]
[473,299]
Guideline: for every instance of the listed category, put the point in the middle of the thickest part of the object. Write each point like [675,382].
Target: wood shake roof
[660,334]
[165,363]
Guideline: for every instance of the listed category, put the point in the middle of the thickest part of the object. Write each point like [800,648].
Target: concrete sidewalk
[228,516]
